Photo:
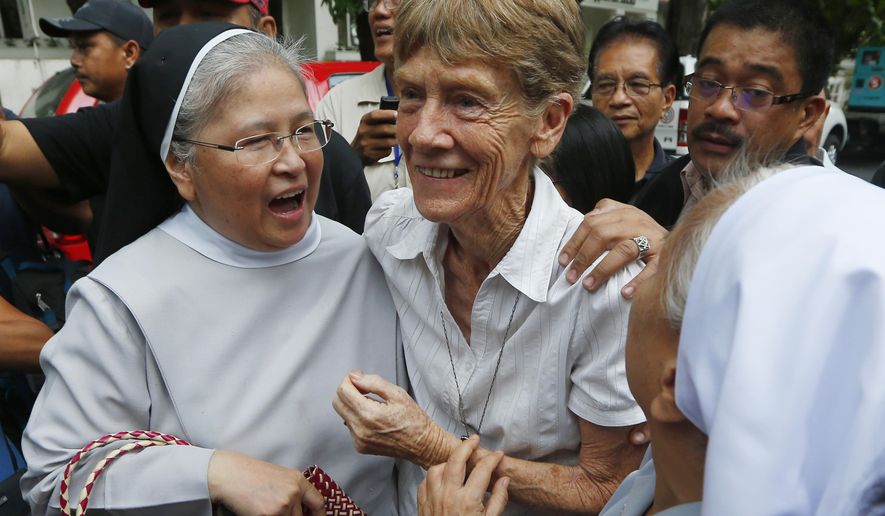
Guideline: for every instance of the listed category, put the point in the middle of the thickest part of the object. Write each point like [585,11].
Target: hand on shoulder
[615,227]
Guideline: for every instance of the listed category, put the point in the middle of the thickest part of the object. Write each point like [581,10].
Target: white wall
[25,63]
[327,33]
[311,19]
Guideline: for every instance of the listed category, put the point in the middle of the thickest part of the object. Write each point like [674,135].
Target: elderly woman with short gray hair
[497,343]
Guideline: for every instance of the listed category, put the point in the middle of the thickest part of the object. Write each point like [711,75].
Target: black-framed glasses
[633,87]
[264,148]
[390,5]
[745,98]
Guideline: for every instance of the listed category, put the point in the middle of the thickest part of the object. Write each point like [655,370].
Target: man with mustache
[761,64]
[755,87]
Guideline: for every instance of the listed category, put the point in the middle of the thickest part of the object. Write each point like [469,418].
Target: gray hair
[221,73]
[542,41]
[684,245]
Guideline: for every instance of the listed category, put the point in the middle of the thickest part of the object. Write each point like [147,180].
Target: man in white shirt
[354,108]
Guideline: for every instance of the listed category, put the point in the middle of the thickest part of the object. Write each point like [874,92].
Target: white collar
[189,229]
[527,265]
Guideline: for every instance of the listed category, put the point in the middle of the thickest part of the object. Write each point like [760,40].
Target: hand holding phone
[376,134]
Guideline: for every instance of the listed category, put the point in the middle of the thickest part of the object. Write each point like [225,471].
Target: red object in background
[59,95]
[74,247]
[322,76]
[682,138]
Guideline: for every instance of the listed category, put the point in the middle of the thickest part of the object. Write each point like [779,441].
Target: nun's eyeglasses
[264,148]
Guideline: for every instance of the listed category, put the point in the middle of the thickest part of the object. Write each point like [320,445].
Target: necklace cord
[494,375]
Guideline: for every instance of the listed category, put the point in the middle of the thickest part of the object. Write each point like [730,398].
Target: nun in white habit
[782,354]
[230,322]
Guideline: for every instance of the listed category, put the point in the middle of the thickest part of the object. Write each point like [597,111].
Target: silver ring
[643,244]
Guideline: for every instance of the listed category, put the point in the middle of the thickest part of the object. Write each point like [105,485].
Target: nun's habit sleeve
[102,382]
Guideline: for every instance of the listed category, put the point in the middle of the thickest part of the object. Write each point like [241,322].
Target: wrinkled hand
[250,486]
[375,135]
[392,425]
[611,226]
[443,492]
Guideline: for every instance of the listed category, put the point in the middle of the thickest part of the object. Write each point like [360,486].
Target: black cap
[118,17]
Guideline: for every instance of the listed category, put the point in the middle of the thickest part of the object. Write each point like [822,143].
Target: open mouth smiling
[441,173]
[287,202]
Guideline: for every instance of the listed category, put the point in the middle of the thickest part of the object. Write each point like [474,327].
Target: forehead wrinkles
[495,84]
[624,50]
[750,52]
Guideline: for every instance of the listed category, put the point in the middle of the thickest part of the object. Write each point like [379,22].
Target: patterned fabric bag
[337,502]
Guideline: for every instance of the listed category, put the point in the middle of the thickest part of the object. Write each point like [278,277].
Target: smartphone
[389,102]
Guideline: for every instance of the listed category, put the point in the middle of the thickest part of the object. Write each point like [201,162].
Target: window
[11,26]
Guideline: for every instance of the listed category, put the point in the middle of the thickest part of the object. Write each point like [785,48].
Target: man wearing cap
[108,37]
[75,155]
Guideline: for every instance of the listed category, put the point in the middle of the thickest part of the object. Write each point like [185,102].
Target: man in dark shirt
[108,37]
[634,72]
[761,64]
[770,68]
[77,152]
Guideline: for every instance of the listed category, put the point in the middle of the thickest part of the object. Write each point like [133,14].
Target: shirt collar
[529,262]
[527,265]
[189,229]
[375,87]
[695,184]
[798,155]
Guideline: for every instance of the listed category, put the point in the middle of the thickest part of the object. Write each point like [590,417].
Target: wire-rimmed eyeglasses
[264,148]
[745,98]
[390,5]
[633,87]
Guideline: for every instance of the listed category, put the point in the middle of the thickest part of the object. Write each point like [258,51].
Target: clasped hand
[248,486]
[446,492]
[384,420]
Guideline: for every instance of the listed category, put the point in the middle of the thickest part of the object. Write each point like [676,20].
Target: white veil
[782,352]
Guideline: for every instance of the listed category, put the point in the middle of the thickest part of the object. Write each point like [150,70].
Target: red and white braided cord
[142,439]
